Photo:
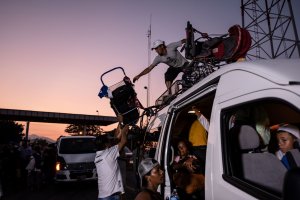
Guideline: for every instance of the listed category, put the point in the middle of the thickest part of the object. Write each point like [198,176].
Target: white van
[75,159]
[251,95]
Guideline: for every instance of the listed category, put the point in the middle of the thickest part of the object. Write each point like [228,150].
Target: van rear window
[77,146]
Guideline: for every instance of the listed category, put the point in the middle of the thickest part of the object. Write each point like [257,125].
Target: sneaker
[167,97]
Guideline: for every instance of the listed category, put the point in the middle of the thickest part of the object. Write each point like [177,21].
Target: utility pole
[273,29]
[149,57]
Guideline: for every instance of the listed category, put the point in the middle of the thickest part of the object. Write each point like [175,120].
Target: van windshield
[77,146]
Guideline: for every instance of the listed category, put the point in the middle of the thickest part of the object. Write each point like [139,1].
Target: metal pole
[149,55]
[27,132]
[294,26]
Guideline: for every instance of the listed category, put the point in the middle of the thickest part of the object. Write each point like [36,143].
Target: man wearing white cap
[286,136]
[169,55]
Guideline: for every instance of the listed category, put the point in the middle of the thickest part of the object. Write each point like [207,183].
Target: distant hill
[34,136]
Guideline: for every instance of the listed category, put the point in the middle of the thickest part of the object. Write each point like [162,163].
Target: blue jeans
[115,196]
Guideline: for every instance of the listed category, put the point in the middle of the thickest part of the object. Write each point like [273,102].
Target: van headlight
[57,166]
[60,164]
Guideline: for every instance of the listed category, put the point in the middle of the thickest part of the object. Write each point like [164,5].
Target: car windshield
[77,146]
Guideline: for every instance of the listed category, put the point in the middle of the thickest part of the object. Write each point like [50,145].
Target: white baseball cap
[294,130]
[157,43]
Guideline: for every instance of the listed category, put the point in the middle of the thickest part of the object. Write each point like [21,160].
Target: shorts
[173,72]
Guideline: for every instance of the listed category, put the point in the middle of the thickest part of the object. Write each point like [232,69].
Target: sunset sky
[52,52]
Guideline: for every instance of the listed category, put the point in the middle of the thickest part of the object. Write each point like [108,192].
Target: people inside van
[262,125]
[189,185]
[110,185]
[256,117]
[185,159]
[151,176]
[198,134]
[286,135]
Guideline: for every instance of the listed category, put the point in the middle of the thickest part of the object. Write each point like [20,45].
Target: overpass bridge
[54,117]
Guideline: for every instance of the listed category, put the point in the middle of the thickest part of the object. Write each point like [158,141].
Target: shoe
[167,97]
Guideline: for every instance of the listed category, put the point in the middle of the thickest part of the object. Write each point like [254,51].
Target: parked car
[75,159]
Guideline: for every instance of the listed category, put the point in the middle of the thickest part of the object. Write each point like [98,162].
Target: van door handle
[172,155]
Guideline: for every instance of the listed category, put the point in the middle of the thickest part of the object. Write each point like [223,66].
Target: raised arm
[144,72]
[201,118]
[121,133]
[123,139]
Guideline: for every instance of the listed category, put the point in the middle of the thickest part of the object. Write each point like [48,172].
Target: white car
[252,96]
[75,159]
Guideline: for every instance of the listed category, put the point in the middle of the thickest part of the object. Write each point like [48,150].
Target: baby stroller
[122,97]
[229,47]
[208,53]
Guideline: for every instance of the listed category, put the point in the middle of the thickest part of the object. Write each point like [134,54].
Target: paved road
[72,191]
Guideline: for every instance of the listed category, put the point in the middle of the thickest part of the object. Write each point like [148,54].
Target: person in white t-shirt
[110,186]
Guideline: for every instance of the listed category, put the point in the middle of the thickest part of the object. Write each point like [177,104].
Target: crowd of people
[26,166]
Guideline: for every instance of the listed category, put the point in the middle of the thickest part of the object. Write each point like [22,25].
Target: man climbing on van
[169,55]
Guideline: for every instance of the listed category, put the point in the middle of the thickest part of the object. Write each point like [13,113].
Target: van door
[177,126]
[230,169]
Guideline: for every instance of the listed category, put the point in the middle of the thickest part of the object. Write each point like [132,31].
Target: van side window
[249,144]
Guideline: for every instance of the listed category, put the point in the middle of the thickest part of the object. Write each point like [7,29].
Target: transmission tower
[273,29]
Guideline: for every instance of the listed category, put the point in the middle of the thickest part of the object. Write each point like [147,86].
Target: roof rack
[166,97]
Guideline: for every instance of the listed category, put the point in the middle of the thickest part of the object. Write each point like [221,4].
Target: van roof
[279,71]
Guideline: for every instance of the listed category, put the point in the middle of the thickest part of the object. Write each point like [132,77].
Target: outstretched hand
[136,78]
[120,118]
[197,111]
[125,129]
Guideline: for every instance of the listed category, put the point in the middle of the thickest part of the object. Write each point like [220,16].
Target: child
[286,136]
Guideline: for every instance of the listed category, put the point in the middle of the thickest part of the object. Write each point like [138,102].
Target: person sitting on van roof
[110,184]
[286,136]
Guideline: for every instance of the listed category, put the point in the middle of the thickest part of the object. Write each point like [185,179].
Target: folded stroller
[228,47]
[122,97]
[208,54]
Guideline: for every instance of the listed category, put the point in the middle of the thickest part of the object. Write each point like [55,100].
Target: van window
[249,144]
[77,146]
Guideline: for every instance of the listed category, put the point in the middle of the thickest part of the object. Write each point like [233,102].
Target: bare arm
[123,139]
[118,130]
[201,118]
[144,72]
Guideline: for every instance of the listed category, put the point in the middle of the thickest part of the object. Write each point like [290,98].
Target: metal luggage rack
[165,99]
